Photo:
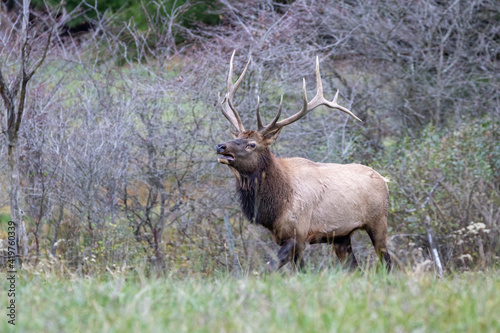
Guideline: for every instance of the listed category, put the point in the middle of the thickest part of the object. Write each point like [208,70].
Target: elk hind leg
[378,237]
[343,250]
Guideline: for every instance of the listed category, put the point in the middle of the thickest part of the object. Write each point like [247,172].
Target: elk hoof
[271,266]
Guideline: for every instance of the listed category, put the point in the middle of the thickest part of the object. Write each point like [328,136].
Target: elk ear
[234,134]
[269,138]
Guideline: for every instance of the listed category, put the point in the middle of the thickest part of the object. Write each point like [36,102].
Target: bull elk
[298,200]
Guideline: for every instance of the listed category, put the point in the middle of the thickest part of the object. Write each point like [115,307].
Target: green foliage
[140,10]
[437,177]
[328,302]
[4,218]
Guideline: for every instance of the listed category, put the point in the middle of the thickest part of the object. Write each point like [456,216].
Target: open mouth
[225,158]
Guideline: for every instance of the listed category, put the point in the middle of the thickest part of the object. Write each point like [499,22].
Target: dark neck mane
[264,193]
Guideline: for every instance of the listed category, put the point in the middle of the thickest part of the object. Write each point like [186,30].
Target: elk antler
[226,104]
[318,100]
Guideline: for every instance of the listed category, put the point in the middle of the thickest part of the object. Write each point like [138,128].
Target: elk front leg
[291,250]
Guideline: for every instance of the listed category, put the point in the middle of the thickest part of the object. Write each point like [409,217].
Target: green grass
[4,219]
[330,301]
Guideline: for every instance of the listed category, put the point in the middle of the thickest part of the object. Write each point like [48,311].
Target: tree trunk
[56,230]
[16,212]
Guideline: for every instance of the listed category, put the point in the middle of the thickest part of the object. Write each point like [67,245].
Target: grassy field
[4,214]
[330,301]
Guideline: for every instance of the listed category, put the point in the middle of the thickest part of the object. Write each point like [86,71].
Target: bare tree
[26,49]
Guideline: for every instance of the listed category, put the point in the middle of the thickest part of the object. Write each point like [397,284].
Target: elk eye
[251,145]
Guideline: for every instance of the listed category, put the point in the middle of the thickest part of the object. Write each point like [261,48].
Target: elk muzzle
[226,158]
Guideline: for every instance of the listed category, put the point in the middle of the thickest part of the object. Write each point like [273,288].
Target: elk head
[250,149]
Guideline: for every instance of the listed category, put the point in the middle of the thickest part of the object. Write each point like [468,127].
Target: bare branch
[42,59]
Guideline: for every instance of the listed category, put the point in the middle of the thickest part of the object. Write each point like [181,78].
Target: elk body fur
[301,201]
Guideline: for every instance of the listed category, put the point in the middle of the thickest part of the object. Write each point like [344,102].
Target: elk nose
[221,147]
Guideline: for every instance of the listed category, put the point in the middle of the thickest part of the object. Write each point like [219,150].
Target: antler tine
[259,120]
[273,123]
[233,87]
[272,126]
[318,100]
[231,114]
[241,128]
